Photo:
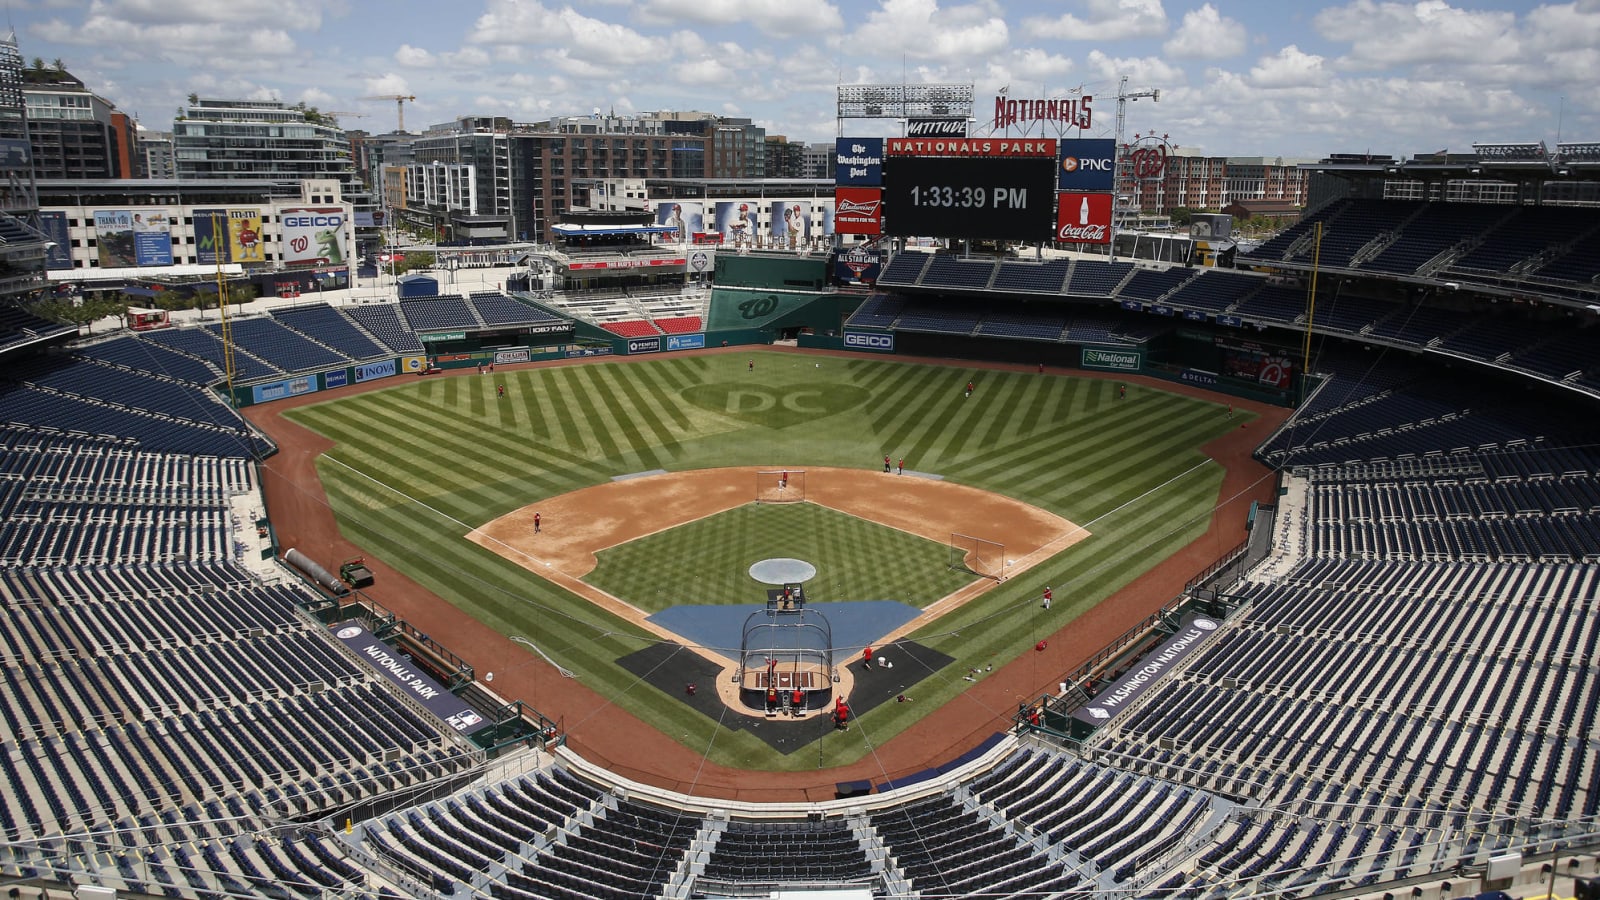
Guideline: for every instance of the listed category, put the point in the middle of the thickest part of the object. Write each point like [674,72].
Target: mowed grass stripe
[647,414]
[598,429]
[899,399]
[622,421]
[1075,433]
[997,412]
[923,408]
[562,404]
[661,396]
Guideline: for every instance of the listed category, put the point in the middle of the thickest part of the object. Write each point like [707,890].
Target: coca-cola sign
[1083,218]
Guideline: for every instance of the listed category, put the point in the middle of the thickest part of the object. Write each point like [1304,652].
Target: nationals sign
[971,147]
[1083,218]
[1071,112]
[1147,158]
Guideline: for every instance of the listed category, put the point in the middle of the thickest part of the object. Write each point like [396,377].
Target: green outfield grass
[708,562]
[418,465]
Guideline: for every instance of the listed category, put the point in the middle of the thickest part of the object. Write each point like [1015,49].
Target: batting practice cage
[781,486]
[784,651]
[983,558]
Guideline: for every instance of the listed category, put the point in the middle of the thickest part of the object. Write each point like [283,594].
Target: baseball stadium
[884,573]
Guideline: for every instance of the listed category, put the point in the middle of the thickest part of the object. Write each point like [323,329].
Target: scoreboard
[970,188]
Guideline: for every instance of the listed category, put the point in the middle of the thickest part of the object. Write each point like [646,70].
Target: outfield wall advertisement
[1113,360]
[869,340]
[152,237]
[278,390]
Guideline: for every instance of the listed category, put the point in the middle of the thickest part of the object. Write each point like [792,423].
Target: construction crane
[399,105]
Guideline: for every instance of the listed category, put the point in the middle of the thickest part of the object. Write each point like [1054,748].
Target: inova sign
[1115,360]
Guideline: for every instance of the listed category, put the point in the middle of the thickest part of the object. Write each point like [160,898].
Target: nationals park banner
[1118,695]
[405,674]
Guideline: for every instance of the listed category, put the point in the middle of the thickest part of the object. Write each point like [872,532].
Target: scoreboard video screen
[1010,198]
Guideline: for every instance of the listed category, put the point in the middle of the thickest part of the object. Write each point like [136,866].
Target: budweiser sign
[858,210]
[1083,218]
[1072,112]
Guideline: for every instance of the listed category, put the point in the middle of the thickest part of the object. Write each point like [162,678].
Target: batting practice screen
[969,197]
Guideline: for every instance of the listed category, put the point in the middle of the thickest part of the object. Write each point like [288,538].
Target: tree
[1181,215]
[194,99]
[38,63]
[59,65]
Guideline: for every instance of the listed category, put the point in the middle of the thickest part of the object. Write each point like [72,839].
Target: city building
[74,132]
[259,140]
[1158,178]
[22,244]
[154,157]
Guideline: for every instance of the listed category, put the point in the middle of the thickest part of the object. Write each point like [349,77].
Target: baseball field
[416,472]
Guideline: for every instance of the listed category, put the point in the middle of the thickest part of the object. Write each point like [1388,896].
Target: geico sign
[333,221]
[869,341]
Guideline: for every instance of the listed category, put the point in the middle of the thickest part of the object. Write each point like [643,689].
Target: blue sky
[1250,78]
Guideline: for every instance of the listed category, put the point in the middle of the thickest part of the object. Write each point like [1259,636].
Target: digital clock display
[955,197]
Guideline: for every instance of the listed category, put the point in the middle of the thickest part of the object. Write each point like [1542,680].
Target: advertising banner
[644,345]
[858,210]
[372,371]
[413,364]
[277,390]
[313,236]
[113,235]
[335,379]
[507,357]
[54,224]
[858,264]
[1112,360]
[409,678]
[869,340]
[858,162]
[686,341]
[701,261]
[244,237]
[1086,165]
[984,147]
[687,216]
[791,223]
[152,237]
[1083,218]
[936,128]
[737,222]
[1120,694]
[211,237]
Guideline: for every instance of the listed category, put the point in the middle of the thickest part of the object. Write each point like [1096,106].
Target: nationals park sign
[1120,694]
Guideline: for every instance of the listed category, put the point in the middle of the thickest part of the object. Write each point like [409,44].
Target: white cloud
[1104,20]
[185,44]
[1149,71]
[387,83]
[779,18]
[286,14]
[1291,67]
[1207,34]
[1384,35]
[922,29]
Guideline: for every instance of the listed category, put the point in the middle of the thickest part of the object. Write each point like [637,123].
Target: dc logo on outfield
[775,407]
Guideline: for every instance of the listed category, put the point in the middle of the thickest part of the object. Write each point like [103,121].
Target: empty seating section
[632,328]
[270,341]
[29,407]
[498,309]
[1418,325]
[124,388]
[1560,357]
[1580,264]
[878,311]
[1349,314]
[947,315]
[1490,338]
[1355,225]
[1151,285]
[1279,247]
[680,325]
[1437,229]
[823,851]
[958,274]
[442,313]
[944,849]
[132,352]
[330,327]
[203,343]
[1529,233]
[1031,277]
[382,321]
[19,327]
[1091,278]
[905,269]
[1274,303]
[1215,291]
[1040,323]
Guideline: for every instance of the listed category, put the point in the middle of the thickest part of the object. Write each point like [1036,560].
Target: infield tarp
[1121,694]
[410,679]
